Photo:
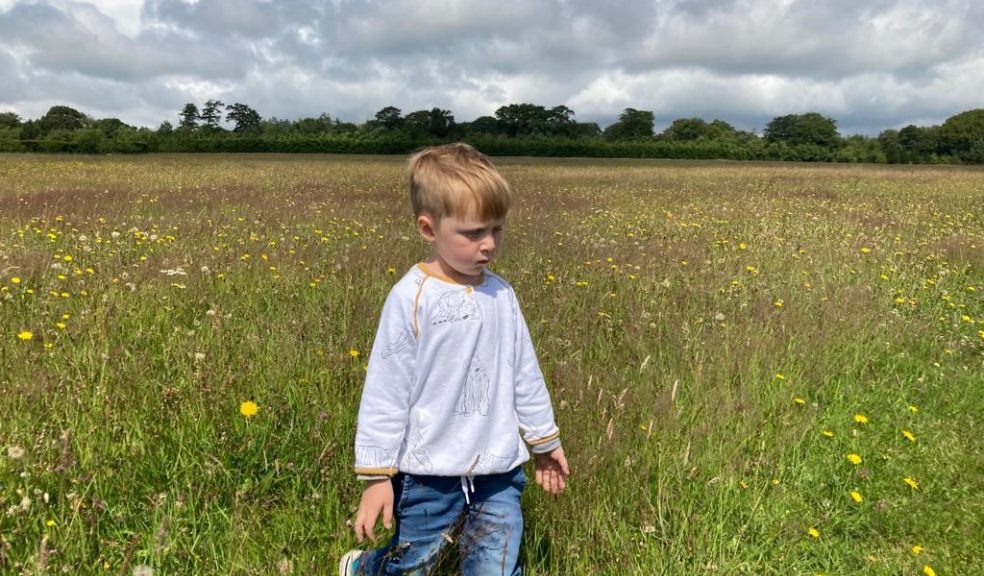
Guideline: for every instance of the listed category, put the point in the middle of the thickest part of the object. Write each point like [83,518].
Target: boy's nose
[487,244]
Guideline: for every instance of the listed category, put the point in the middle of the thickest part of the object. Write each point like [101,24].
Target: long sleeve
[533,409]
[384,408]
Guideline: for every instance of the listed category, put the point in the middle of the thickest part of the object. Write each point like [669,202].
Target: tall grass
[717,339]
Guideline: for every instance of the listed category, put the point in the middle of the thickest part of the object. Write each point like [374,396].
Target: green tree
[29,134]
[522,119]
[9,120]
[189,117]
[62,118]
[482,125]
[920,144]
[441,122]
[212,114]
[323,124]
[417,123]
[632,124]
[584,130]
[389,118]
[434,122]
[888,140]
[963,135]
[108,126]
[721,130]
[245,118]
[802,129]
[686,129]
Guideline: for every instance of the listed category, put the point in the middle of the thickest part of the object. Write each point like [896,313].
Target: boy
[453,389]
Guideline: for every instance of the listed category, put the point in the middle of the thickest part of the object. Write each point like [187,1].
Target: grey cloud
[813,39]
[870,65]
[84,41]
[14,85]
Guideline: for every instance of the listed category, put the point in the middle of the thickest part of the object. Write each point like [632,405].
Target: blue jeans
[432,511]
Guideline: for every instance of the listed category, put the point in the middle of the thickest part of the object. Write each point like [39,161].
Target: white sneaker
[349,564]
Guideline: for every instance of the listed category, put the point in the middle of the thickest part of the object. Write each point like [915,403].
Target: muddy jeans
[432,512]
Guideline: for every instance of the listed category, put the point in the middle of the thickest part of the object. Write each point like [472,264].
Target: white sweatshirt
[453,385]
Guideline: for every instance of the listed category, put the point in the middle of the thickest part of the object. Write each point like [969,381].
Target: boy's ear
[425,225]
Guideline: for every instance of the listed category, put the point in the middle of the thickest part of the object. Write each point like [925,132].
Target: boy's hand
[551,470]
[378,496]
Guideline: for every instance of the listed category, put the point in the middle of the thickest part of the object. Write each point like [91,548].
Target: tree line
[516,129]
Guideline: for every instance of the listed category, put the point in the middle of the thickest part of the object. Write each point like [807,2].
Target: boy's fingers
[359,531]
[563,466]
[388,515]
[551,482]
[368,525]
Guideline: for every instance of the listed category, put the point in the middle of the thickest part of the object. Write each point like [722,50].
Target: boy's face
[461,247]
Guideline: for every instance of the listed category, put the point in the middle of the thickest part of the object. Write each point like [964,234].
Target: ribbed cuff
[546,446]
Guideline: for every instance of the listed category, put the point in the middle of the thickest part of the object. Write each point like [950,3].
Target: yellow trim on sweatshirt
[545,439]
[448,279]
[416,304]
[377,471]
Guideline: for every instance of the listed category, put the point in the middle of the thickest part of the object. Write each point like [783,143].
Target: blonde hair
[457,180]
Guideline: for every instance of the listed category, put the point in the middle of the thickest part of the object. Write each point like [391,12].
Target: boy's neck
[437,267]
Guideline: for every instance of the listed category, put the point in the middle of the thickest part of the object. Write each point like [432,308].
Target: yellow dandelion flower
[860,418]
[911,482]
[826,433]
[853,459]
[813,532]
[780,376]
[865,250]
[49,523]
[928,570]
[25,335]
[856,496]
[917,549]
[249,408]
[909,436]
[354,353]
[742,246]
[15,280]
[799,401]
[913,409]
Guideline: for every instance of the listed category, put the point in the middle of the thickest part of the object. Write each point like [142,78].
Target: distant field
[757,368]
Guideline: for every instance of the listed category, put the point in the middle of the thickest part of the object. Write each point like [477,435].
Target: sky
[870,65]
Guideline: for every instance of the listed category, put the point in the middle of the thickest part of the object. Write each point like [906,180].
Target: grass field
[757,369]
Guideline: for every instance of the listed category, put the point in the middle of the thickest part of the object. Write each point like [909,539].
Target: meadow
[756,368]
